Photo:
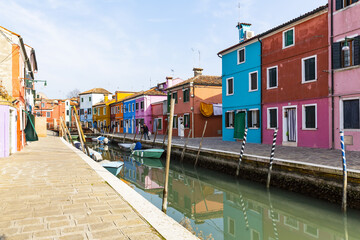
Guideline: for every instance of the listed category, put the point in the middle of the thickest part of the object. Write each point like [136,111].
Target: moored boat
[125,146]
[113,167]
[148,153]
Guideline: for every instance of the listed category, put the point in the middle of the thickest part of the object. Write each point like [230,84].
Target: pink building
[159,116]
[344,52]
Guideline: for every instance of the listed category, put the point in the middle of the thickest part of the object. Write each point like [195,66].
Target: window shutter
[336,55]
[339,4]
[289,37]
[357,50]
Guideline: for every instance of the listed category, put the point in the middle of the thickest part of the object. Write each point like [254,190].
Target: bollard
[271,158]
[344,171]
[200,145]
[241,152]
[185,145]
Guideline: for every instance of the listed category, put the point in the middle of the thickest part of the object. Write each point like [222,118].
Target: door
[291,132]
[180,119]
[239,125]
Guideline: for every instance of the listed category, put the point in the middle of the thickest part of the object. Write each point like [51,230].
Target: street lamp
[346,51]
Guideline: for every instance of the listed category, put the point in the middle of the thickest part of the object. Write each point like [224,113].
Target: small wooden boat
[149,153]
[113,167]
[101,139]
[125,146]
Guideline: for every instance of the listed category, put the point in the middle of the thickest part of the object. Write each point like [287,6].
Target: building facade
[129,122]
[159,116]
[295,90]
[344,52]
[116,108]
[241,88]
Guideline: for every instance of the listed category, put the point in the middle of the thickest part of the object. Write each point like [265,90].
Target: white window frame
[104,111]
[143,105]
[283,38]
[289,225]
[42,105]
[159,119]
[188,114]
[341,108]
[268,117]
[252,233]
[238,58]
[248,112]
[227,86]
[48,114]
[304,117]
[257,81]
[231,111]
[177,119]
[267,77]
[303,69]
[228,230]
[310,234]
[274,219]
[133,107]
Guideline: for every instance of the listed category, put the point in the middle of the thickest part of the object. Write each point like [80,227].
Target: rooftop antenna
[239,11]
[199,58]
[150,82]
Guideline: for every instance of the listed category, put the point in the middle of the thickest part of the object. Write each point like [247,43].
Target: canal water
[216,206]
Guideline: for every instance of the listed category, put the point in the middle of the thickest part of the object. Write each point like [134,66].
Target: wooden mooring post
[81,133]
[156,131]
[168,154]
[200,145]
[124,137]
[63,132]
[271,158]
[135,134]
[344,201]
[166,132]
[185,145]
[241,152]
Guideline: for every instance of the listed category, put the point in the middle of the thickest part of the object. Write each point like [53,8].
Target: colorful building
[116,108]
[87,100]
[344,52]
[129,115]
[241,87]
[295,90]
[17,79]
[52,109]
[189,95]
[101,115]
[159,116]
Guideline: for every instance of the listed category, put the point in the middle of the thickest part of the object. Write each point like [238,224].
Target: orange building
[52,109]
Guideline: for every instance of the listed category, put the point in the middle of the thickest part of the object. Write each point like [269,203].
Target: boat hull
[148,153]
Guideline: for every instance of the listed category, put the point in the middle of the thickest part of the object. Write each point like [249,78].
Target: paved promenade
[325,157]
[48,192]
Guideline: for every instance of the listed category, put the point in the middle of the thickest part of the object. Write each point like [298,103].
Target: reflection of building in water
[195,199]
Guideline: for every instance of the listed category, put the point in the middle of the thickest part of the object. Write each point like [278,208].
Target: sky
[131,45]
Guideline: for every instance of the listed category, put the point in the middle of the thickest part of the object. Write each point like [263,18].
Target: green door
[239,125]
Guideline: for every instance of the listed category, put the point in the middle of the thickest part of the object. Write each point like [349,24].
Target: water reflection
[217,206]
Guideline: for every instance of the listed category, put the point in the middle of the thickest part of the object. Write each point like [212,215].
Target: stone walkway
[48,192]
[319,156]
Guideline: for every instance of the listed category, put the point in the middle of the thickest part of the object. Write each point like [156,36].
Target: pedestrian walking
[146,131]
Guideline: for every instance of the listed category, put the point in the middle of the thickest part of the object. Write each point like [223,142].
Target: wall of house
[4,131]
[6,65]
[157,112]
[129,116]
[86,104]
[40,126]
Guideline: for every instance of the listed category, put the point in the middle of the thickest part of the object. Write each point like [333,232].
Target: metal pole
[200,145]
[185,145]
[241,152]
[271,158]
[344,172]
[168,154]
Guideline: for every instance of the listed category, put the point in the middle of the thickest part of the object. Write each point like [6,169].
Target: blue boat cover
[137,146]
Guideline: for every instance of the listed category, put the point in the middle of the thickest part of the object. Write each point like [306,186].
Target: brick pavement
[326,157]
[48,192]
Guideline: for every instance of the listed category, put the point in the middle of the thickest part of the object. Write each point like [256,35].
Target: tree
[73,93]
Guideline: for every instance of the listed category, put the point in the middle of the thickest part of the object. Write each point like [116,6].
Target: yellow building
[101,114]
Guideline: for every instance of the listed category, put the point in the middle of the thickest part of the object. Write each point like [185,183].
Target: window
[67,112]
[104,108]
[253,81]
[272,76]
[42,105]
[104,123]
[94,110]
[344,3]
[124,108]
[253,118]
[309,69]
[351,114]
[89,99]
[255,235]
[174,96]
[186,120]
[175,122]
[231,226]
[272,117]
[186,95]
[159,123]
[137,106]
[82,99]
[133,108]
[142,105]
[229,119]
[81,111]
[311,230]
[89,110]
[48,114]
[98,111]
[241,55]
[309,116]
[291,222]
[346,57]
[229,86]
[67,103]
[288,38]
[121,124]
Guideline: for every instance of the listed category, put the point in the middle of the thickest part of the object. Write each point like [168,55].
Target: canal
[216,206]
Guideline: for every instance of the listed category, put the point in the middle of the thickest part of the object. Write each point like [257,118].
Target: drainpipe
[192,115]
[332,76]
[261,92]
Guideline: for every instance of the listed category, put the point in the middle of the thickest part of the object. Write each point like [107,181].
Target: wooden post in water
[166,132]
[124,136]
[135,134]
[271,158]
[241,152]
[200,145]
[343,206]
[168,154]
[81,133]
[156,131]
[185,145]
[63,132]
[68,132]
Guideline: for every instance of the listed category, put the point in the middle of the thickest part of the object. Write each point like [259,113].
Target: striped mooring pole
[241,152]
[344,171]
[271,158]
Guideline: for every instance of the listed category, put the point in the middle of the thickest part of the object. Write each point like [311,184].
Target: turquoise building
[241,87]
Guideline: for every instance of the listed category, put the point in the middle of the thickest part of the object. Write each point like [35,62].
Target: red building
[295,89]
[52,109]
[188,97]
[159,116]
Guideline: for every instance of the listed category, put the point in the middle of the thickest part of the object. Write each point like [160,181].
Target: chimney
[197,71]
[244,31]
[106,98]
[169,82]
